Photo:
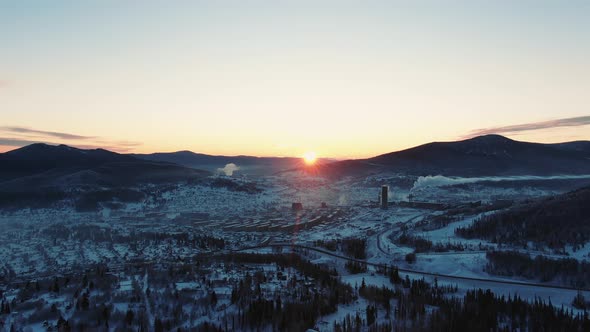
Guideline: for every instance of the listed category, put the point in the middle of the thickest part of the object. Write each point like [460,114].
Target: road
[379,245]
[417,272]
[121,266]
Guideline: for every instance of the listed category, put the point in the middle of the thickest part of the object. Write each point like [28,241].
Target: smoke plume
[442,181]
[229,169]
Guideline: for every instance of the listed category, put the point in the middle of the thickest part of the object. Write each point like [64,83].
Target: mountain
[489,155]
[581,146]
[39,157]
[247,164]
[40,165]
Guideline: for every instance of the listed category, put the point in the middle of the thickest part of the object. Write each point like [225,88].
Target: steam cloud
[229,169]
[342,200]
[441,181]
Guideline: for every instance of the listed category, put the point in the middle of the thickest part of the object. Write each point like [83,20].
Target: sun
[310,157]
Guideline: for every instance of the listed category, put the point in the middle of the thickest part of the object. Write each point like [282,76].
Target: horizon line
[113,149]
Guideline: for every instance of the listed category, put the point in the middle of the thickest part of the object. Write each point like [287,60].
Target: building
[384,196]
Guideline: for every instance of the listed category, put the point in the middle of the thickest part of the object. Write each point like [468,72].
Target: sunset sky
[346,79]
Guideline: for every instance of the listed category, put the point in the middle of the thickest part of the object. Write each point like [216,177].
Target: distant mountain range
[40,175]
[48,165]
[489,155]
[247,164]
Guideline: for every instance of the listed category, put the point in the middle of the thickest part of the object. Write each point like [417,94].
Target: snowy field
[190,220]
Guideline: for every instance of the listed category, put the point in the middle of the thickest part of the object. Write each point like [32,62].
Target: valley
[215,253]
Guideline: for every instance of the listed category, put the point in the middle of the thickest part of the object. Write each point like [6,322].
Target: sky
[346,79]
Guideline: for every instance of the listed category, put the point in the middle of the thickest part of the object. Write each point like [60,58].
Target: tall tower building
[384,196]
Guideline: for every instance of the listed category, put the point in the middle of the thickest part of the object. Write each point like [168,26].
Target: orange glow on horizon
[310,157]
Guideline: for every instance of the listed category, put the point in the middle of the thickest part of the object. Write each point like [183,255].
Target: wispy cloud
[16,143]
[10,141]
[112,147]
[567,122]
[121,144]
[60,135]
[15,136]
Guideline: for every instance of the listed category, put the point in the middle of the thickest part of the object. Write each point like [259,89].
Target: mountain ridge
[37,165]
[481,155]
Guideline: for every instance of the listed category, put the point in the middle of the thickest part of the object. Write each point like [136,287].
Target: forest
[312,292]
[421,306]
[566,271]
[421,244]
[352,247]
[554,222]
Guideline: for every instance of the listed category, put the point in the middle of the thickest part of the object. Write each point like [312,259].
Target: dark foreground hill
[554,222]
[490,155]
[40,174]
[41,164]
[38,158]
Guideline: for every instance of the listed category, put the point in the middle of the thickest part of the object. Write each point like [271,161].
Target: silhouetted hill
[580,146]
[554,221]
[39,165]
[39,157]
[483,155]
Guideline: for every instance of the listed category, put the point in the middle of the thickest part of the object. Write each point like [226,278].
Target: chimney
[384,196]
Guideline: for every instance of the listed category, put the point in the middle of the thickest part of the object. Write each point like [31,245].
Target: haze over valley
[298,165]
[190,227]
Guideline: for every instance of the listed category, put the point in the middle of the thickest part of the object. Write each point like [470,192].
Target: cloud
[17,142]
[10,141]
[15,136]
[567,122]
[229,169]
[120,144]
[66,136]
[113,147]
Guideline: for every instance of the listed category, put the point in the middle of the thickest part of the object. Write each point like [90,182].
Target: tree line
[554,222]
[567,271]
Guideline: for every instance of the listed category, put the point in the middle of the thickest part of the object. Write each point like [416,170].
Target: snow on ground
[582,253]
[558,297]
[27,247]
[447,234]
[326,323]
[465,264]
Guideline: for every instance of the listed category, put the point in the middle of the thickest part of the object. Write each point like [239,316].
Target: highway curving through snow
[412,271]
